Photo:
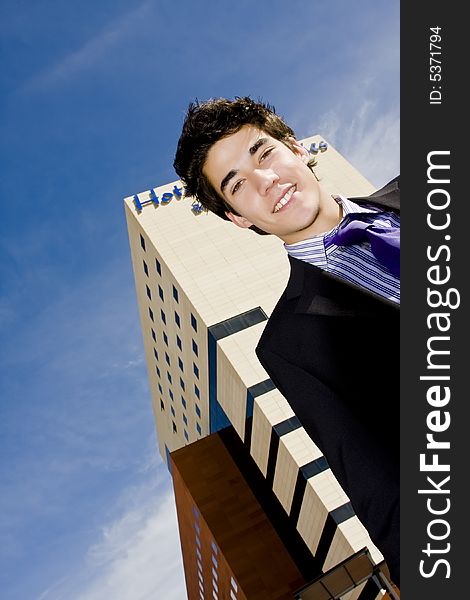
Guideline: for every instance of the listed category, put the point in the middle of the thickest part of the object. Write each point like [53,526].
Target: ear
[238,220]
[300,150]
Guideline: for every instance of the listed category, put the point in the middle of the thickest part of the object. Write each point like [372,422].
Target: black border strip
[305,472]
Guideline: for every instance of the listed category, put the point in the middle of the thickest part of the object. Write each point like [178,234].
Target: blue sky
[92,97]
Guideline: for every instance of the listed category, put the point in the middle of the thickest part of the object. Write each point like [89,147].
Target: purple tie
[384,241]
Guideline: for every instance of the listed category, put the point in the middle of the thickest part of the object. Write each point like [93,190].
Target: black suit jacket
[332,349]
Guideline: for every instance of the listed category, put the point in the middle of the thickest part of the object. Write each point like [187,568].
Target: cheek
[249,203]
[241,207]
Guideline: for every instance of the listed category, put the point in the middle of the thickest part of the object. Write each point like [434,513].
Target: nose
[265,179]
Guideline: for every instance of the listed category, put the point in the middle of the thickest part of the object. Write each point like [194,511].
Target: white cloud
[90,54]
[78,412]
[358,111]
[137,555]
[369,140]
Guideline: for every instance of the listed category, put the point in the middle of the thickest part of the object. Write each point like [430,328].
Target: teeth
[285,199]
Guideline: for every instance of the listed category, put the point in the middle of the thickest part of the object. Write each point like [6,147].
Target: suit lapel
[387,197]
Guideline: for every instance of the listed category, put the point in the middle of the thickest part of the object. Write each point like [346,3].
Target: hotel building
[205,289]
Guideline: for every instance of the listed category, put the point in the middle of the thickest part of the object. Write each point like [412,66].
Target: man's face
[269,185]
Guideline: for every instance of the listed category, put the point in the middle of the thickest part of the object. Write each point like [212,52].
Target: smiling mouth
[285,199]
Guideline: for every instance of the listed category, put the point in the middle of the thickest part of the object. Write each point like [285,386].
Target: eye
[237,186]
[265,154]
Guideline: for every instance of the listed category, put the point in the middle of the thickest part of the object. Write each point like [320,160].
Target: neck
[329,215]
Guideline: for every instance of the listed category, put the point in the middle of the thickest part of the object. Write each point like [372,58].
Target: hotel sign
[165,198]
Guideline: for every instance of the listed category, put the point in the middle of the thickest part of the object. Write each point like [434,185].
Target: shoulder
[392,186]
[387,196]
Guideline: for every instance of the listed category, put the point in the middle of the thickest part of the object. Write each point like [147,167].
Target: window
[149,293]
[173,411]
[198,428]
[160,293]
[177,319]
[142,242]
[214,560]
[214,548]
[150,313]
[199,558]
[214,585]
[169,377]
[175,294]
[214,593]
[146,269]
[232,595]
[160,389]
[182,384]
[162,406]
[170,393]
[196,370]
[167,358]
[196,527]
[178,343]
[165,338]
[174,427]
[196,512]
[159,266]
[155,353]
[198,542]
[180,365]
[153,335]
[234,584]
[162,314]
[214,574]
[193,322]
[196,391]
[195,348]
[158,371]
[198,410]
[183,402]
[185,419]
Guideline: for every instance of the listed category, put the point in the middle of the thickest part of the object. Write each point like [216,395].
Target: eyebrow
[257,145]
[252,150]
[227,178]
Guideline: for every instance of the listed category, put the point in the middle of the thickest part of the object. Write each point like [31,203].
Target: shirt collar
[317,243]
[351,207]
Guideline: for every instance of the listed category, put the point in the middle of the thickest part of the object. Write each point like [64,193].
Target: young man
[331,345]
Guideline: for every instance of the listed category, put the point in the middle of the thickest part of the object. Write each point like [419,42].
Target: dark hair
[204,125]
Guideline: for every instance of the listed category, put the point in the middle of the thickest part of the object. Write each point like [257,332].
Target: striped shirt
[354,263]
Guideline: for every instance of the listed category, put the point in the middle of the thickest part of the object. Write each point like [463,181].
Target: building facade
[205,289]
[231,547]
